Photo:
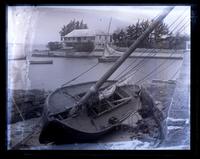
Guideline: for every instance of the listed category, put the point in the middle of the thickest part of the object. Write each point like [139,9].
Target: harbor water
[21,75]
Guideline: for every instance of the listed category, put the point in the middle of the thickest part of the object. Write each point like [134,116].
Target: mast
[120,60]
[107,37]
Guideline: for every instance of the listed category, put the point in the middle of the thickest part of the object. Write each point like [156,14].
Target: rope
[175,73]
[170,64]
[19,111]
[143,60]
[28,137]
[164,61]
[73,79]
[158,66]
[124,74]
[153,71]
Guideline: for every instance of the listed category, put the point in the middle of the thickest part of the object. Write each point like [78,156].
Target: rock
[29,102]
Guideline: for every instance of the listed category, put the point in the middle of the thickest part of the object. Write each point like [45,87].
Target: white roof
[84,33]
[81,33]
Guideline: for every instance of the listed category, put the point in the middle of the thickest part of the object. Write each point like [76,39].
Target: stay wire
[153,49]
[73,79]
[153,71]
[125,78]
[135,60]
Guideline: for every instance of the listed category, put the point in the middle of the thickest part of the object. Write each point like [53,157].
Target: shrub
[54,45]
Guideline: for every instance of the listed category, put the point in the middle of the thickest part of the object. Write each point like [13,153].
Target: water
[18,50]
[51,76]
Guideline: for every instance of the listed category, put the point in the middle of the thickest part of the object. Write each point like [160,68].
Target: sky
[43,23]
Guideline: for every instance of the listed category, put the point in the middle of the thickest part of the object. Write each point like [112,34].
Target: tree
[130,34]
[54,45]
[119,37]
[159,31]
[73,24]
[125,37]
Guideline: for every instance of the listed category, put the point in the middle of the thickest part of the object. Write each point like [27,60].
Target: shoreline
[100,54]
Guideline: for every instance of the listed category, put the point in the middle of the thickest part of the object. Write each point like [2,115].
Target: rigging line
[125,69]
[180,21]
[153,71]
[28,137]
[137,66]
[106,41]
[17,107]
[170,64]
[174,22]
[183,27]
[146,49]
[179,29]
[154,49]
[65,84]
[124,73]
[170,25]
[125,78]
[73,79]
[164,61]
[176,72]
[134,60]
[130,75]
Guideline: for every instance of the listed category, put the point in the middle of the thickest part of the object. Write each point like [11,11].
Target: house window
[84,38]
[65,38]
[73,38]
[99,36]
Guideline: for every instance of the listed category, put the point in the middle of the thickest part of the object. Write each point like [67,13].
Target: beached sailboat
[86,111]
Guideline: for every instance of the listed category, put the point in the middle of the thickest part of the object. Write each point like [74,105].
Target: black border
[193,153]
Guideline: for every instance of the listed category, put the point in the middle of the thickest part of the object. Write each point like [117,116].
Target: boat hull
[58,133]
[83,128]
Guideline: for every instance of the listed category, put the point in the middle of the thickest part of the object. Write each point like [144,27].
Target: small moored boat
[41,62]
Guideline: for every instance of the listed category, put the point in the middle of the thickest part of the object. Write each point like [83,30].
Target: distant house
[85,35]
